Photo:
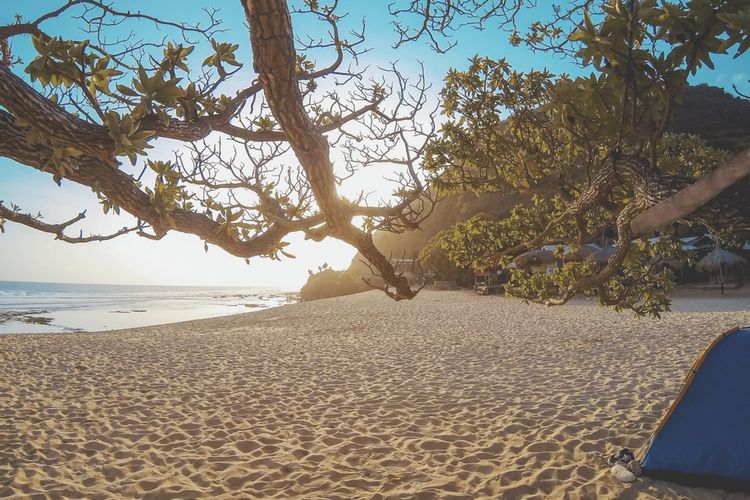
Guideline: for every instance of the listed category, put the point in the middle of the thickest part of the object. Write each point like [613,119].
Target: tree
[594,146]
[258,164]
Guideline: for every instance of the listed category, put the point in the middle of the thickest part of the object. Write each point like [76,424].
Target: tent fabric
[705,437]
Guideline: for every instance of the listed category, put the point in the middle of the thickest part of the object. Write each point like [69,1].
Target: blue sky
[180,259]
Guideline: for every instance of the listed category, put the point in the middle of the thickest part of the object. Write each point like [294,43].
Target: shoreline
[731,301]
[450,393]
[67,307]
[33,322]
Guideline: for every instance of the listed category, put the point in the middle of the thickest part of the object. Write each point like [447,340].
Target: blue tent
[704,439]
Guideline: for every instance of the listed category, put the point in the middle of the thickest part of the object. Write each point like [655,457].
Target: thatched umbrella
[675,265]
[534,258]
[582,253]
[602,256]
[720,261]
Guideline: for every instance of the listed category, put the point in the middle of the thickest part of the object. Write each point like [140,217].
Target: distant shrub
[330,283]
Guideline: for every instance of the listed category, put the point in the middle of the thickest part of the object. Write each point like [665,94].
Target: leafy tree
[434,259]
[258,164]
[595,146]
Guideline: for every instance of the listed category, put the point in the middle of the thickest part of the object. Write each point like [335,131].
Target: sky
[179,259]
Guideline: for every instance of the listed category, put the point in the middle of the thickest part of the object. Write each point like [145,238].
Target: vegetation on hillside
[708,126]
[593,147]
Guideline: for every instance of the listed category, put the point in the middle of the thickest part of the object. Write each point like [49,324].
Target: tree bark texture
[120,188]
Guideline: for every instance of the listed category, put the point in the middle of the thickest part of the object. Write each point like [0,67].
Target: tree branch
[59,229]
[122,190]
[21,99]
[694,196]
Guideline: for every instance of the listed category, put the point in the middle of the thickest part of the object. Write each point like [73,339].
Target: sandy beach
[450,395]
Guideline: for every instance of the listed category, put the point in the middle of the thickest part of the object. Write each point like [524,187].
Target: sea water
[31,307]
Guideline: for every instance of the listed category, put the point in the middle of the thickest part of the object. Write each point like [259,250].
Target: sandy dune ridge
[450,395]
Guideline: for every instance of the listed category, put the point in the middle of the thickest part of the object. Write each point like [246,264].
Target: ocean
[31,307]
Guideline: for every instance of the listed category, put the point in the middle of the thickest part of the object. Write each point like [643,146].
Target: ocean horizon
[41,307]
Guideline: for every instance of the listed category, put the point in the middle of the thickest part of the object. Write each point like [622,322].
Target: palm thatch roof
[534,258]
[602,256]
[581,253]
[719,259]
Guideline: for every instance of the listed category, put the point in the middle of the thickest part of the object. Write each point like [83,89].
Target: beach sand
[450,395]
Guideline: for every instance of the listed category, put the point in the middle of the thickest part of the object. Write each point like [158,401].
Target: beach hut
[488,281]
[675,265]
[704,437]
[700,242]
[722,265]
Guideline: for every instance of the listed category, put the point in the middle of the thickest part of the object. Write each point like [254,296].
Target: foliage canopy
[258,163]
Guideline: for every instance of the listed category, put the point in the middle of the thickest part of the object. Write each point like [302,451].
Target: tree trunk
[275,60]
[694,197]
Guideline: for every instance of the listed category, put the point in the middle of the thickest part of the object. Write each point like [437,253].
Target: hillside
[716,116]
[454,208]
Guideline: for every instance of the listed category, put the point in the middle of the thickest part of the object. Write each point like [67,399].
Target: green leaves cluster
[234,222]
[224,53]
[157,92]
[642,284]
[133,101]
[495,139]
[476,242]
[175,57]
[549,135]
[303,65]
[153,89]
[67,63]
[537,34]
[644,57]
[59,157]
[125,131]
[688,155]
[107,204]
[687,35]
[167,194]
